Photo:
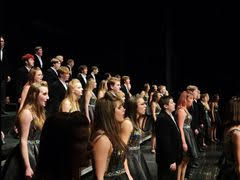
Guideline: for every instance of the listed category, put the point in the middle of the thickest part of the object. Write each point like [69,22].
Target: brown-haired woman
[22,161]
[109,150]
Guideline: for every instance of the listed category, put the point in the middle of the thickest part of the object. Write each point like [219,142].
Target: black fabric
[168,141]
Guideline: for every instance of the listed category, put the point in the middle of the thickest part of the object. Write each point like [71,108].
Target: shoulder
[25,115]
[102,141]
[127,125]
[66,101]
[236,135]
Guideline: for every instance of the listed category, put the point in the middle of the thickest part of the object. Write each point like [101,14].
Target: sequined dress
[136,161]
[14,168]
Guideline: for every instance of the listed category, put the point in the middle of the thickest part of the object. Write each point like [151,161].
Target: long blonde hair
[38,111]
[71,97]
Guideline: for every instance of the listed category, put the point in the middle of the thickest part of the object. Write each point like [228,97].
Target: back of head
[64,146]
[164,101]
[232,112]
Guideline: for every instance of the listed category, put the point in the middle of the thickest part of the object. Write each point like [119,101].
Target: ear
[165,106]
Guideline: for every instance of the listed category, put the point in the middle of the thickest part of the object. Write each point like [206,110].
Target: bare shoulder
[102,142]
[236,136]
[127,124]
[25,115]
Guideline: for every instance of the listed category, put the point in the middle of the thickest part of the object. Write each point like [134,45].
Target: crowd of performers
[65,121]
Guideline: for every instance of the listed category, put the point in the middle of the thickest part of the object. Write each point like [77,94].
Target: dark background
[176,46]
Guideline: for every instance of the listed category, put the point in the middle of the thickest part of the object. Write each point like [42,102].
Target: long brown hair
[105,121]
[36,109]
[131,110]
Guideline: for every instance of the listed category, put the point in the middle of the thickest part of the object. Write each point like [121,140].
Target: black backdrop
[175,46]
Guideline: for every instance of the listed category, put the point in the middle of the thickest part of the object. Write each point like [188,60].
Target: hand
[19,100]
[173,167]
[2,135]
[130,177]
[29,173]
[196,131]
[185,147]
[202,126]
[8,79]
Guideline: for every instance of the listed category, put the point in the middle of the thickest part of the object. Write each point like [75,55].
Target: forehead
[140,100]
[43,89]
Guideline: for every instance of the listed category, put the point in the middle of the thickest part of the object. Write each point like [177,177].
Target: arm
[101,149]
[153,110]
[127,170]
[25,119]
[86,103]
[23,96]
[236,142]
[100,94]
[126,130]
[212,111]
[181,115]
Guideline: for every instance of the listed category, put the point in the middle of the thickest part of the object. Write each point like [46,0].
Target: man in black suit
[168,141]
[51,75]
[126,86]
[22,73]
[58,90]
[38,58]
[82,75]
[4,77]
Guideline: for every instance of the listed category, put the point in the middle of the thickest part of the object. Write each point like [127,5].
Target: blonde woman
[102,89]
[22,161]
[89,99]
[71,101]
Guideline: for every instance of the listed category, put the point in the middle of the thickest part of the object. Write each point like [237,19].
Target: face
[43,96]
[1,42]
[85,71]
[155,88]
[57,65]
[40,52]
[206,98]
[116,87]
[95,71]
[189,100]
[65,76]
[163,90]
[30,62]
[195,94]
[119,112]
[78,89]
[171,106]
[141,106]
[128,81]
[38,76]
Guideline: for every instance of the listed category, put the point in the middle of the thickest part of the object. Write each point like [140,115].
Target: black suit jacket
[194,111]
[50,76]
[56,95]
[21,79]
[126,92]
[168,141]
[37,63]
[4,67]
[79,76]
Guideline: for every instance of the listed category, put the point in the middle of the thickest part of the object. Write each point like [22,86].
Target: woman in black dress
[22,161]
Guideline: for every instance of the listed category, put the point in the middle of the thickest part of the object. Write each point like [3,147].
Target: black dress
[136,162]
[227,171]
[115,169]
[189,137]
[14,168]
